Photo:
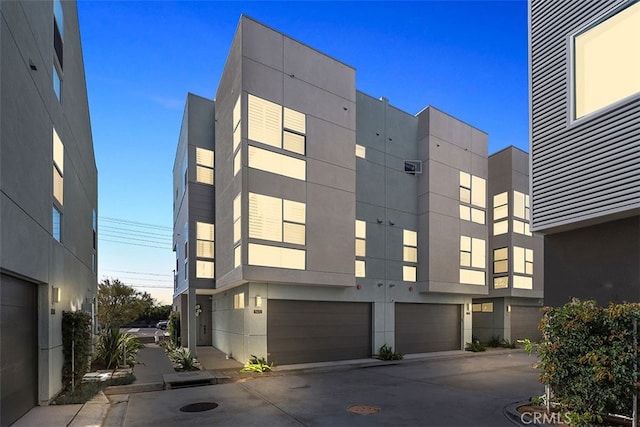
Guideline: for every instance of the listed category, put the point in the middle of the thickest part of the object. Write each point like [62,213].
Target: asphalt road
[458,391]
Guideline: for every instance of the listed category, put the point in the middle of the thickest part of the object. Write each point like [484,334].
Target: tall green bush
[587,358]
[174,328]
[76,346]
[115,348]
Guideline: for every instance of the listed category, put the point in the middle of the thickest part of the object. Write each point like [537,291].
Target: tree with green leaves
[118,304]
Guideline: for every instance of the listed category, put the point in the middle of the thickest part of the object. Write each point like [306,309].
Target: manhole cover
[363,409]
[199,407]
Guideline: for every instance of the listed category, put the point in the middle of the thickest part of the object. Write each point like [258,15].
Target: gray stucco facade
[48,226]
[341,222]
[585,177]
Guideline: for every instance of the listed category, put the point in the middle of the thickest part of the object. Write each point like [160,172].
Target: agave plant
[115,348]
[183,359]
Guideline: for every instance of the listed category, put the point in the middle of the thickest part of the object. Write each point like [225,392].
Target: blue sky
[468,59]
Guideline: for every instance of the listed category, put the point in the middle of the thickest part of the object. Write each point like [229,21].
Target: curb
[134,388]
[510,411]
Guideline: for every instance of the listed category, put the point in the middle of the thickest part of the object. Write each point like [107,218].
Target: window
[58,168]
[237,162]
[205,248]
[409,254]
[237,256]
[361,247]
[484,307]
[501,227]
[521,210]
[501,282]
[273,125]
[95,229]
[522,265]
[606,64]
[361,151]
[500,205]
[472,192]
[58,30]
[238,300]
[237,135]
[57,82]
[500,260]
[184,171]
[279,220]
[472,255]
[275,256]
[477,308]
[280,164]
[204,165]
[57,224]
[237,212]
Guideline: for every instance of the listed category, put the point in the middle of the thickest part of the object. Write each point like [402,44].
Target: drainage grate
[363,409]
[199,407]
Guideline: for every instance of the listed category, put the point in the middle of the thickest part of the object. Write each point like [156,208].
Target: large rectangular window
[409,255]
[501,268]
[237,213]
[606,62]
[472,256]
[280,127]
[280,164]
[472,193]
[276,256]
[521,210]
[279,220]
[58,31]
[57,83]
[204,165]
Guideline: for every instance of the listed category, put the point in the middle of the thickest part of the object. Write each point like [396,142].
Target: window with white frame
[472,198]
[606,68]
[472,260]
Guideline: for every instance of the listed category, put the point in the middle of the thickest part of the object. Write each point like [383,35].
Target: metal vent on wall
[413,166]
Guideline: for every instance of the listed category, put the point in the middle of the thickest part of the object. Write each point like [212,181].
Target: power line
[137,272]
[135,223]
[135,239]
[113,229]
[168,248]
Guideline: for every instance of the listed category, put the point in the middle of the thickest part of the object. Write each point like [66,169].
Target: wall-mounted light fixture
[509,308]
[468,306]
[258,301]
[380,284]
[198,309]
[55,295]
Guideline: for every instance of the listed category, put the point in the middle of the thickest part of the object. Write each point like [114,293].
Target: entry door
[204,320]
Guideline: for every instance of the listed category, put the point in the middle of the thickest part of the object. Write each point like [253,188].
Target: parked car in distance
[162,324]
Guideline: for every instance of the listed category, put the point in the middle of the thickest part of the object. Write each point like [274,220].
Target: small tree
[118,304]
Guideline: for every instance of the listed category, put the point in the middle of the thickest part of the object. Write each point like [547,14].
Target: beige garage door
[317,331]
[424,328]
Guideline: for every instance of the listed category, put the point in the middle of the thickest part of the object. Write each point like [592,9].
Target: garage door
[18,349]
[423,328]
[317,331]
[524,323]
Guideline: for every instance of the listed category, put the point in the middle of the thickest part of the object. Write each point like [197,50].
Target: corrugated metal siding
[588,168]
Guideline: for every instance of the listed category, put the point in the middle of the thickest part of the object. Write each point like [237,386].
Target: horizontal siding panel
[589,167]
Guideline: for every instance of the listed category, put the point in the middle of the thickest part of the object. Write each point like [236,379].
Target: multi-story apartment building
[585,147]
[511,311]
[341,223]
[48,198]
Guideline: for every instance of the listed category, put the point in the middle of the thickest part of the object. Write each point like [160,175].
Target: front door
[204,320]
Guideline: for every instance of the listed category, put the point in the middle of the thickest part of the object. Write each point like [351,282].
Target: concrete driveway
[469,390]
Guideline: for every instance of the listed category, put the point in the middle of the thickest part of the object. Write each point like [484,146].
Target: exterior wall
[446,147]
[585,176]
[584,171]
[277,68]
[193,202]
[30,112]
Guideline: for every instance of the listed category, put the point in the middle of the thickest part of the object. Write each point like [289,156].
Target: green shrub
[475,347]
[81,394]
[257,364]
[76,346]
[494,342]
[124,380]
[173,328]
[387,353]
[183,359]
[587,358]
[113,345]
[507,344]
